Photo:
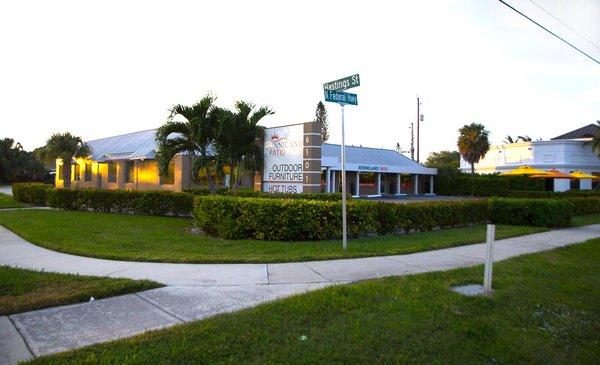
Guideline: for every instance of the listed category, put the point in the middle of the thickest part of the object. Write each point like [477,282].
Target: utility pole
[418,119]
[412,141]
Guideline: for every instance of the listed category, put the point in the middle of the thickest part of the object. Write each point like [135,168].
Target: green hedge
[582,206]
[484,184]
[280,219]
[122,201]
[296,219]
[531,212]
[31,193]
[249,193]
[554,194]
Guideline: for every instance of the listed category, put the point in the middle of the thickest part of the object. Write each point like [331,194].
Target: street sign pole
[344,224]
[334,92]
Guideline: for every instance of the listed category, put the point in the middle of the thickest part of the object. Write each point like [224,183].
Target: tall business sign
[292,159]
[334,93]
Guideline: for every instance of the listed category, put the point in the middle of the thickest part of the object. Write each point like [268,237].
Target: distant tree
[321,117]
[236,141]
[473,143]
[17,165]
[194,136]
[66,147]
[398,149]
[595,142]
[444,160]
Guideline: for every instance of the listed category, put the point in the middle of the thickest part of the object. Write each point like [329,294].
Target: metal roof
[130,146]
[141,145]
[588,131]
[371,159]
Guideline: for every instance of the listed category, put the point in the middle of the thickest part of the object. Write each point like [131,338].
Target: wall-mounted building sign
[372,168]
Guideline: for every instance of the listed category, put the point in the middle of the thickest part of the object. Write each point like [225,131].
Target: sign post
[489,260]
[333,93]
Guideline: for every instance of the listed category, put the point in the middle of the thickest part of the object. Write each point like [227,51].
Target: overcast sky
[103,68]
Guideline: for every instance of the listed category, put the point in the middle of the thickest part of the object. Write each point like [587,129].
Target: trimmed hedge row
[531,212]
[122,201]
[271,219]
[554,194]
[31,193]
[250,193]
[484,185]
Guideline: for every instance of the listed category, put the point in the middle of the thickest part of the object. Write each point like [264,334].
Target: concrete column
[333,182]
[416,184]
[431,184]
[398,184]
[378,183]
[327,180]
[357,184]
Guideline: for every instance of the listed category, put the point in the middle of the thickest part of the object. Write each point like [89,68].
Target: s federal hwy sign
[341,97]
[343,84]
[334,93]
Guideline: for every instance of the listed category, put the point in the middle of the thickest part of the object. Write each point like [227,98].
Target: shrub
[122,201]
[428,215]
[554,194]
[583,206]
[31,193]
[531,212]
[484,184]
[297,219]
[280,219]
[249,193]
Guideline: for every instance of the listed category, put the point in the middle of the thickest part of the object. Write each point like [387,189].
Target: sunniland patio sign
[283,148]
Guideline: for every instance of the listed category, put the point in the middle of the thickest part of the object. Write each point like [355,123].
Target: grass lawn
[25,290]
[168,239]
[544,310]
[584,220]
[7,201]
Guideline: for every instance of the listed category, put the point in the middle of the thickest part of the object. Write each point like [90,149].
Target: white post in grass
[489,260]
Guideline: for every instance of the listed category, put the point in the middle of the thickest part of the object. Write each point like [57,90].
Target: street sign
[343,84]
[341,97]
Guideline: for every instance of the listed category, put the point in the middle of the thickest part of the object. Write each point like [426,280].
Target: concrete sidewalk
[196,291]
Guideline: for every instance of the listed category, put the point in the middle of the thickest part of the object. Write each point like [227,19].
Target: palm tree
[66,147]
[473,144]
[596,140]
[194,137]
[508,139]
[236,141]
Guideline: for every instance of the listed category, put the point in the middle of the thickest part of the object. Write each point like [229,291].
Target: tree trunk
[66,174]
[209,179]
[233,171]
[472,179]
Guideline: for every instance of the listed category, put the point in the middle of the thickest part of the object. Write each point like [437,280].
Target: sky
[103,68]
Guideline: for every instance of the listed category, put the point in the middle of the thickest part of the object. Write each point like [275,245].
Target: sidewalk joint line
[160,308]
[267,269]
[321,275]
[22,337]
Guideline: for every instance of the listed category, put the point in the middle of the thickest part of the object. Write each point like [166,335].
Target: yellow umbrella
[582,175]
[552,174]
[524,170]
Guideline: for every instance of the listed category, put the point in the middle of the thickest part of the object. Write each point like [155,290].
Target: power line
[549,31]
[565,24]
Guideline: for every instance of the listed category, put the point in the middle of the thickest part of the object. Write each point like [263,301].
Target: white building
[566,153]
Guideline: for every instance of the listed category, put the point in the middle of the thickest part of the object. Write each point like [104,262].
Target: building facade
[566,153]
[295,161]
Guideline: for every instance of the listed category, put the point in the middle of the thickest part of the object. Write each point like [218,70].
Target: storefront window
[129,171]
[88,171]
[170,178]
[76,172]
[112,172]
